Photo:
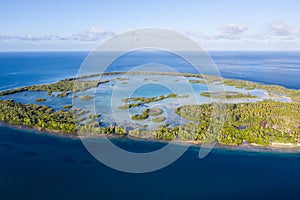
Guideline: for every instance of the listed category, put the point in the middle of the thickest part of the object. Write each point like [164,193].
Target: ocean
[42,166]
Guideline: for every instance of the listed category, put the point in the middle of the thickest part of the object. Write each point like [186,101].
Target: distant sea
[41,166]
[26,68]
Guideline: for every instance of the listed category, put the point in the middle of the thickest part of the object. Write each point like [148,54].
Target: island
[227,95]
[137,101]
[264,122]
[147,113]
[40,100]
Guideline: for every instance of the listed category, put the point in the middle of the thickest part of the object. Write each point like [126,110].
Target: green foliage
[60,95]
[66,87]
[137,101]
[158,119]
[148,112]
[143,116]
[260,122]
[40,100]
[79,84]
[93,116]
[117,130]
[200,81]
[155,111]
[34,115]
[89,128]
[86,97]
[122,79]
[227,94]
[67,106]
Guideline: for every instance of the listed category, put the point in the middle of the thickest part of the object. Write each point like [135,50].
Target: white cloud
[230,32]
[233,29]
[226,32]
[280,28]
[230,36]
[274,31]
[95,30]
[94,34]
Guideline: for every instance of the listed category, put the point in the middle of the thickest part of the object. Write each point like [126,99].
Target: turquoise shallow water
[109,96]
[41,166]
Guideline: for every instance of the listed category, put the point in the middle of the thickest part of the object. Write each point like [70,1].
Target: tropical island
[262,122]
[137,101]
[227,95]
[147,113]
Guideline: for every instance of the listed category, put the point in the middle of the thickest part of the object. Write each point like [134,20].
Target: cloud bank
[94,34]
[277,34]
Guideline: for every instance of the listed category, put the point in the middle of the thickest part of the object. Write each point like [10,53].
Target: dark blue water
[40,166]
[282,68]
[35,166]
[19,69]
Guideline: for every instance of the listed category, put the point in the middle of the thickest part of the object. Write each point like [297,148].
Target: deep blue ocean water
[41,166]
[25,68]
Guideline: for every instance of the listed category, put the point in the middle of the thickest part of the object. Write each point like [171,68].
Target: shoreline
[285,148]
[211,79]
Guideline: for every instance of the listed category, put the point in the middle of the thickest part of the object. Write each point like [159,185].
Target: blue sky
[214,24]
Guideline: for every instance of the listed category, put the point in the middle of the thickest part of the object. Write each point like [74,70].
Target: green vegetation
[201,81]
[137,101]
[151,80]
[86,97]
[117,130]
[127,106]
[93,116]
[158,119]
[227,94]
[146,113]
[40,100]
[91,127]
[79,84]
[273,90]
[122,79]
[161,133]
[60,95]
[33,115]
[44,118]
[142,116]
[260,122]
[67,106]
[66,87]
[155,111]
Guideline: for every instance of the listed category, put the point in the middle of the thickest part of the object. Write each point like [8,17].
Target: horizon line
[212,50]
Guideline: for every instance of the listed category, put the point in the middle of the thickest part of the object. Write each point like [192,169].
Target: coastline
[212,79]
[246,147]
